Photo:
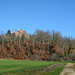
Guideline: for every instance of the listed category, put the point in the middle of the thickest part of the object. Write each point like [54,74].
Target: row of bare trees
[41,45]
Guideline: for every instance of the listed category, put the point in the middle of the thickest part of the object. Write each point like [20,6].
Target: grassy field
[17,66]
[56,70]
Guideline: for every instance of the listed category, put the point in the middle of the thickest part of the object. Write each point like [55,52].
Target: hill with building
[42,45]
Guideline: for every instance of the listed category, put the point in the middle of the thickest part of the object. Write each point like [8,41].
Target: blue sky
[58,15]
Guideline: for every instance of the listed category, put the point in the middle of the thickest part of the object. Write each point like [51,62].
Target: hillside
[42,45]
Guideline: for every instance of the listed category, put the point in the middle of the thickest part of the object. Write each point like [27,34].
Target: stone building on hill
[20,33]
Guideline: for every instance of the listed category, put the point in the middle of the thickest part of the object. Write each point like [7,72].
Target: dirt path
[68,70]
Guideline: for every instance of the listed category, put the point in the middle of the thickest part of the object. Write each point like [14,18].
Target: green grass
[12,66]
[56,70]
[20,67]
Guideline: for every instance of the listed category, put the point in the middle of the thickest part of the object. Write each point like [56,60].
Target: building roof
[21,31]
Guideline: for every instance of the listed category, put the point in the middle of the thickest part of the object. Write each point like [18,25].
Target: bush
[34,57]
[72,57]
[54,57]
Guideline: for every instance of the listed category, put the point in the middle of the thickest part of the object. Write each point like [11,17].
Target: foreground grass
[19,67]
[15,66]
[56,70]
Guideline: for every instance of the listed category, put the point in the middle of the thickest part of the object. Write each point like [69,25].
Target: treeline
[42,45]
